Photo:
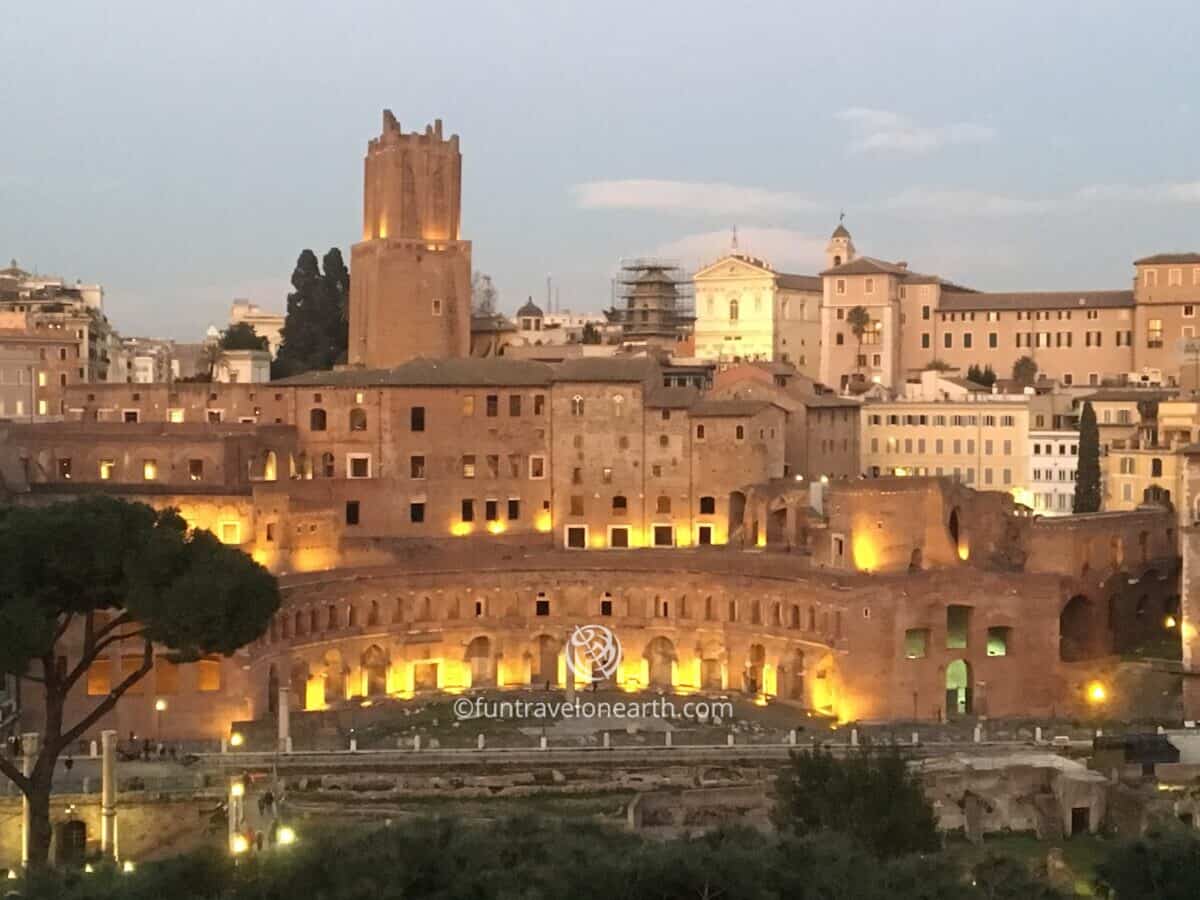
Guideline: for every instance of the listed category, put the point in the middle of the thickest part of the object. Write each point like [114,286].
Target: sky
[184,154]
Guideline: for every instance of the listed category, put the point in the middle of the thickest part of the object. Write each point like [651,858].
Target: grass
[1082,854]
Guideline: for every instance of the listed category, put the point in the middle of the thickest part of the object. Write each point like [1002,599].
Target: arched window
[618,405]
[577,405]
[1156,468]
[733,310]
[316,419]
[358,419]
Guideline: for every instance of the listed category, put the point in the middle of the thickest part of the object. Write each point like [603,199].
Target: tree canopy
[870,795]
[484,296]
[242,336]
[78,577]
[1025,370]
[316,331]
[1087,475]
[984,375]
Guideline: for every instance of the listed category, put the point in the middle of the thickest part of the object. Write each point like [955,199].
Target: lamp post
[160,706]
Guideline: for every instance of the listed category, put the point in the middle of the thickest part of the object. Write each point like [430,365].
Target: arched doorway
[479,657]
[543,668]
[374,668]
[298,685]
[953,526]
[753,682]
[1075,635]
[796,677]
[737,513]
[660,655]
[70,842]
[958,689]
[335,676]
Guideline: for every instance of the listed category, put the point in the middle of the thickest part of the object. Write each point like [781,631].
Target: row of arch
[318,419]
[313,620]
[542,658]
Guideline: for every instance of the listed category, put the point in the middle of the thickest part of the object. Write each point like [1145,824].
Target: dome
[530,310]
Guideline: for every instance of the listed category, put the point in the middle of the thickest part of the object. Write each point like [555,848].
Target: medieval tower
[410,276]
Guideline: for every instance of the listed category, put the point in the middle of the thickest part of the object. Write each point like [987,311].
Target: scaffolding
[653,300]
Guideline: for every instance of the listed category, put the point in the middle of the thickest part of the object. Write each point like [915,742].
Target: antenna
[733,241]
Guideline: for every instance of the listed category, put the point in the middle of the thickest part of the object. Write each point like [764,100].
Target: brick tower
[410,277]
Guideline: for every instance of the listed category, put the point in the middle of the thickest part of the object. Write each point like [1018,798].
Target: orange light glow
[866,557]
[461,529]
[964,552]
[543,523]
[496,527]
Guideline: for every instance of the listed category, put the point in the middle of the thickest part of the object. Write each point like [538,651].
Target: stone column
[29,750]
[284,732]
[108,793]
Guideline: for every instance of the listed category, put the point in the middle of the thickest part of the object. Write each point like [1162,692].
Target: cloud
[963,203]
[1181,192]
[884,131]
[781,247]
[716,198]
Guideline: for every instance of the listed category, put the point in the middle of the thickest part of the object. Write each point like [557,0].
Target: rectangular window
[664,536]
[492,405]
[491,510]
[416,511]
[467,465]
[537,467]
[997,641]
[231,532]
[539,404]
[468,405]
[1154,333]
[196,469]
[468,511]
[416,418]
[958,624]
[416,467]
[618,537]
[993,340]
[576,504]
[514,404]
[149,469]
[166,676]
[208,675]
[967,341]
[916,643]
[947,340]
[99,677]
[577,537]
[107,466]
[514,509]
[358,465]
[351,512]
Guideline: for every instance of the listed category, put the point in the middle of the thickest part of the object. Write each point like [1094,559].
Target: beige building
[265,323]
[1149,465]
[1078,337]
[952,427]
[745,310]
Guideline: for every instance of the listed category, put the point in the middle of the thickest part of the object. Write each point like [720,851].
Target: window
[468,405]
[966,338]
[99,677]
[175,416]
[208,675]
[467,465]
[416,418]
[358,420]
[492,405]
[196,469]
[64,468]
[618,538]
[149,469]
[993,340]
[916,643]
[840,286]
[663,505]
[869,286]
[129,416]
[416,467]
[351,512]
[327,468]
[106,469]
[541,605]
[925,340]
[620,505]
[1154,333]
[576,505]
[577,537]
[416,511]
[437,306]
[708,506]
[699,432]
[166,676]
[733,310]
[316,419]
[514,509]
[230,532]
[514,405]
[539,404]
[358,465]
[491,510]
[958,622]
[948,340]
[664,536]
[577,405]
[468,511]
[537,467]
[997,641]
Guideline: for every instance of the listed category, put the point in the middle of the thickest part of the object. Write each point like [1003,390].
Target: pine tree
[1087,479]
[316,330]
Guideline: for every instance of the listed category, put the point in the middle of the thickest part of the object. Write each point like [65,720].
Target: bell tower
[410,275]
[840,249]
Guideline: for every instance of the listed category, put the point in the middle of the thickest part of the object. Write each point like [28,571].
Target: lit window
[174,416]
[231,532]
[106,469]
[149,469]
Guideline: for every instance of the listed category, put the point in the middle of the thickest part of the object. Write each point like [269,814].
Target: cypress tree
[1087,478]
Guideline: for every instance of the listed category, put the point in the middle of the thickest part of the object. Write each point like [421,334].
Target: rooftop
[466,372]
[952,301]
[1165,258]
